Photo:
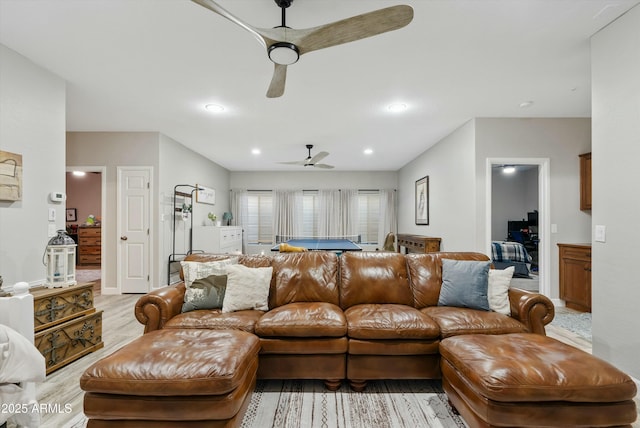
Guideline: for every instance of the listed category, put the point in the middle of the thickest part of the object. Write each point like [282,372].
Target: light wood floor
[119,327]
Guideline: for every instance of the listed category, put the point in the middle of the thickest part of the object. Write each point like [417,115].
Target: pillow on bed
[498,290]
[465,284]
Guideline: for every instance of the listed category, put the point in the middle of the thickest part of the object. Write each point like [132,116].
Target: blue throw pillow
[465,284]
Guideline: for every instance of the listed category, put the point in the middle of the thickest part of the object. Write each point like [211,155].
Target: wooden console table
[66,324]
[418,244]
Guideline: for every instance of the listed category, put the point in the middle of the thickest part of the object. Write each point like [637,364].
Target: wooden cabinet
[575,276]
[418,244]
[89,245]
[585,181]
[217,239]
[66,324]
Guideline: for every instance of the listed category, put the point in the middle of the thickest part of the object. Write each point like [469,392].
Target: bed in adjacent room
[508,253]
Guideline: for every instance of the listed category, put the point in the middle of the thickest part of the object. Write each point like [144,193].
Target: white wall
[615,53]
[559,140]
[312,180]
[450,165]
[32,123]
[180,165]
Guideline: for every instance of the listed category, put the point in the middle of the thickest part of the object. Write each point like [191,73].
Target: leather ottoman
[527,380]
[181,378]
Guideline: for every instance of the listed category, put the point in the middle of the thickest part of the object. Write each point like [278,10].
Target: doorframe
[119,170]
[544,216]
[103,215]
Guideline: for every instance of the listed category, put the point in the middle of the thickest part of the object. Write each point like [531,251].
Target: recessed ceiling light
[214,108]
[397,107]
[368,151]
[255,151]
[79,173]
[509,169]
[526,104]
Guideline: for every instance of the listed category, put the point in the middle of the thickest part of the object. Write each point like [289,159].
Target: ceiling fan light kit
[284,53]
[285,45]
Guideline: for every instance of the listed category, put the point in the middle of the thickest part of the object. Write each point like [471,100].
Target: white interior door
[133,229]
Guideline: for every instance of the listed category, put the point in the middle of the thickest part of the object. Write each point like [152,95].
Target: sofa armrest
[154,309]
[532,309]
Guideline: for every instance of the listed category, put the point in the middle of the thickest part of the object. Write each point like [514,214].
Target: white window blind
[310,207]
[368,215]
[259,229]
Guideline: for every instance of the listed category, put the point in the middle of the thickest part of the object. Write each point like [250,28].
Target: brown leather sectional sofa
[359,316]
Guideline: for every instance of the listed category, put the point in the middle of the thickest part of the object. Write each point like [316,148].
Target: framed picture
[422,201]
[72,214]
[205,195]
[10,176]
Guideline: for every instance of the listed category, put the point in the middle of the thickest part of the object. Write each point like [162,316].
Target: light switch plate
[52,214]
[600,233]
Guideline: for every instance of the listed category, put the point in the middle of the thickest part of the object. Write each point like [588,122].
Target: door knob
[123,238]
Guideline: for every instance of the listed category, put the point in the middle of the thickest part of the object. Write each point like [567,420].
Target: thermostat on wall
[57,196]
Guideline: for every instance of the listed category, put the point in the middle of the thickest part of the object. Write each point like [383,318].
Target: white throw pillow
[499,281]
[198,270]
[247,288]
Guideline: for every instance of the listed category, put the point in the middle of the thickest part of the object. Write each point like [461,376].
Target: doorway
[539,168]
[84,220]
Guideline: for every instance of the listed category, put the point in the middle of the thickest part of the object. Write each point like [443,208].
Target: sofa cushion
[455,321]
[465,284]
[389,321]
[304,277]
[498,291]
[425,273]
[368,277]
[205,293]
[302,319]
[192,271]
[214,319]
[247,288]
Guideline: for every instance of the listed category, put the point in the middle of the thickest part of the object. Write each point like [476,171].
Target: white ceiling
[152,65]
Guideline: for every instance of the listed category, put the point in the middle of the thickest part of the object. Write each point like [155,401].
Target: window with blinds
[310,208]
[368,215]
[259,229]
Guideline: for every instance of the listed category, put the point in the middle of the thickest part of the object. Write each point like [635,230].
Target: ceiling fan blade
[215,7]
[276,88]
[317,158]
[323,166]
[350,29]
[302,162]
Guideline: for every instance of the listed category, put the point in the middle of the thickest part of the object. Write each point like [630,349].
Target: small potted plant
[213,218]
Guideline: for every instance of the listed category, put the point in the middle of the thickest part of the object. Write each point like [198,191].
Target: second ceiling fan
[284,45]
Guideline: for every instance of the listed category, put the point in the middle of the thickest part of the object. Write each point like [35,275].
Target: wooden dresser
[89,245]
[418,244]
[575,276]
[66,324]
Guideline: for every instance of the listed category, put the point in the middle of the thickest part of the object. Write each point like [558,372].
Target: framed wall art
[205,195]
[72,214]
[10,176]
[422,201]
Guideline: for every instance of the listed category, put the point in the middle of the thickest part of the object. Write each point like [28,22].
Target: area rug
[383,404]
[579,324]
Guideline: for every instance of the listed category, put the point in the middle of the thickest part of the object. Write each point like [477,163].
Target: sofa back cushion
[374,277]
[304,277]
[425,274]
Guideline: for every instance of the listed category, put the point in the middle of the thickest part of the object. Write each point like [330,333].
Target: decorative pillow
[197,270]
[247,288]
[205,293]
[498,290]
[465,284]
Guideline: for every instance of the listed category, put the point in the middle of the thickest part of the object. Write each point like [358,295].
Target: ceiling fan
[312,161]
[284,45]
